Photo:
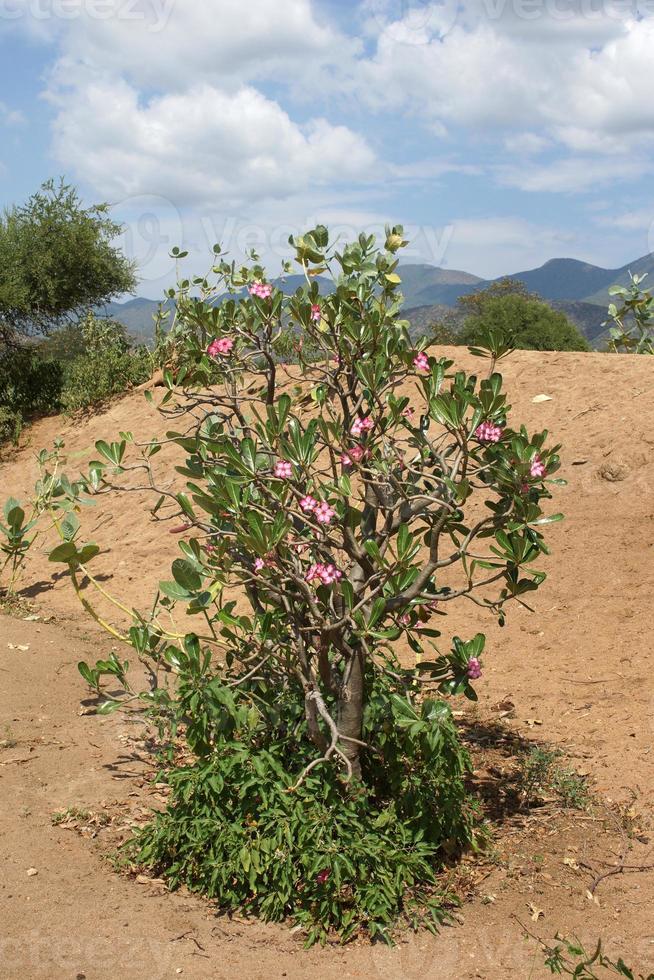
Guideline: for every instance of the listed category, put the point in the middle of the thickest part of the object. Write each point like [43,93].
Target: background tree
[524,320]
[57,260]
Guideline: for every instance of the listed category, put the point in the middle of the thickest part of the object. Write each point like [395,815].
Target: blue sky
[501,133]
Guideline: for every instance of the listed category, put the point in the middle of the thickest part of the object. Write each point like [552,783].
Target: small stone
[31,872]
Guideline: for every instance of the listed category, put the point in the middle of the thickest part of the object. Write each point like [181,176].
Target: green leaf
[186,575]
[65,553]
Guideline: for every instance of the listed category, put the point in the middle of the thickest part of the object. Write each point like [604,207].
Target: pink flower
[261,289]
[308,503]
[220,347]
[321,574]
[421,362]
[487,432]
[474,669]
[324,513]
[359,426]
[316,312]
[537,468]
[267,562]
[405,619]
[409,412]
[323,876]
[283,470]
[353,455]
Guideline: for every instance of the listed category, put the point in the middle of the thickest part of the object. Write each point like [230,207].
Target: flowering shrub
[333,511]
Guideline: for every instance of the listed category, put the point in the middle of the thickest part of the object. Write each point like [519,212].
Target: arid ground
[574,673]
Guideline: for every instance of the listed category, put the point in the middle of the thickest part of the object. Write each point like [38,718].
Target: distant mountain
[642,266]
[578,289]
[566,279]
[423,285]
[587,317]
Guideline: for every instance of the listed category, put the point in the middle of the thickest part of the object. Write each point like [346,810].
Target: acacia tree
[523,318]
[334,509]
[57,260]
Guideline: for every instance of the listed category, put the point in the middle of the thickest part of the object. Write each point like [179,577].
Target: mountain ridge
[579,289]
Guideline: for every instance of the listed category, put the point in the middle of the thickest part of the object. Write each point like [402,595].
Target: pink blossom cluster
[474,669]
[409,412]
[488,432]
[220,347]
[321,574]
[537,468]
[320,510]
[353,455]
[361,425]
[421,362]
[261,289]
[283,469]
[316,312]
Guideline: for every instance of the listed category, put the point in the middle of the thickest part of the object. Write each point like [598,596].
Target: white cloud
[199,146]
[10,117]
[170,45]
[493,246]
[526,144]
[580,82]
[573,175]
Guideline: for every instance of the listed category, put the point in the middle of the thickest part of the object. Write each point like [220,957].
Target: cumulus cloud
[202,145]
[578,76]
[172,44]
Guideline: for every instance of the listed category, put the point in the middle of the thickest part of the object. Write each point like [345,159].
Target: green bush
[11,425]
[108,367]
[239,829]
[29,386]
[520,318]
[526,323]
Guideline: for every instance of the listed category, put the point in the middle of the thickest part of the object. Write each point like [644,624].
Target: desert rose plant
[633,319]
[334,509]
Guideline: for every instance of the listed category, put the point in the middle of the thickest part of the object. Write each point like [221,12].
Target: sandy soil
[577,670]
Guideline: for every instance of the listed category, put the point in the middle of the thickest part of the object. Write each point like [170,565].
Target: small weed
[571,959]
[79,815]
[540,774]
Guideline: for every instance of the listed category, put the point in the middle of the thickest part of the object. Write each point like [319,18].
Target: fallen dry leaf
[541,398]
[536,913]
[19,646]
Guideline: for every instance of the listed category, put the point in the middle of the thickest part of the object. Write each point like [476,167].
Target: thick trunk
[350,713]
